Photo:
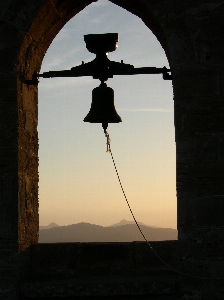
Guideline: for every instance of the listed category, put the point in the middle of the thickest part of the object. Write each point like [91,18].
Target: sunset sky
[78,182]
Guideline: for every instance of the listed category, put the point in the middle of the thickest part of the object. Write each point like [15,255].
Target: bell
[102,108]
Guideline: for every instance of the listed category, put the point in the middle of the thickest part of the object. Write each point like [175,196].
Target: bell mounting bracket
[101,67]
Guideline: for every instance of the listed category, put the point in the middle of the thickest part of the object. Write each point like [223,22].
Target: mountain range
[124,231]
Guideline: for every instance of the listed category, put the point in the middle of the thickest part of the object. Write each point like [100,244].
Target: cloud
[97,20]
[60,84]
[52,64]
[160,110]
[62,35]
[63,60]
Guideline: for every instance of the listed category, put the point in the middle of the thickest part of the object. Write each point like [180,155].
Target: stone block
[210,171]
[205,212]
[8,57]
[21,12]
[53,260]
[204,122]
[150,259]
[110,258]
[208,210]
[198,186]
[206,246]
[195,81]
[33,54]
[209,35]
[199,148]
[179,41]
[198,115]
[3,8]
[221,77]
[41,34]
[216,271]
[8,206]
[80,259]
[100,288]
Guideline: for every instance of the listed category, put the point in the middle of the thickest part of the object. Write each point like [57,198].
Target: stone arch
[49,20]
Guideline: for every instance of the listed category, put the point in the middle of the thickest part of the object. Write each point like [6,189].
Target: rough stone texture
[191,33]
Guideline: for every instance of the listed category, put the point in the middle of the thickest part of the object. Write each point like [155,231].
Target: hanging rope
[108,142]
[147,242]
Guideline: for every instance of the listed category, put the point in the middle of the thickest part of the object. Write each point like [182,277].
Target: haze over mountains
[124,231]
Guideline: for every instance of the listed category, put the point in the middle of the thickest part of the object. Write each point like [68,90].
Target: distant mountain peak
[125,222]
[51,225]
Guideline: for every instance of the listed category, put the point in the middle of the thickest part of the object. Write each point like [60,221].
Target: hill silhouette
[86,232]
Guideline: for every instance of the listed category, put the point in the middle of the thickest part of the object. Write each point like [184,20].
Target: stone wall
[101,269]
[191,34]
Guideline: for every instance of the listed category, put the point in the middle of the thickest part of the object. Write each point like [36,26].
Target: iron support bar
[107,72]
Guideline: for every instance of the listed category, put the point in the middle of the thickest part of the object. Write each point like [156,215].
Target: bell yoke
[102,108]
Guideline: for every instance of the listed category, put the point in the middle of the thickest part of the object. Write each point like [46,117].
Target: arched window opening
[77,179]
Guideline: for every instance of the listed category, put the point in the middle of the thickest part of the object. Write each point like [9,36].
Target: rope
[147,242]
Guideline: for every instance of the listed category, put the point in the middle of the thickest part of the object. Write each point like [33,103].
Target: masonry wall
[191,34]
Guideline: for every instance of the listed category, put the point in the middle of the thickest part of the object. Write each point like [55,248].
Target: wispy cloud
[58,84]
[63,35]
[160,110]
[66,59]
[97,20]
[52,64]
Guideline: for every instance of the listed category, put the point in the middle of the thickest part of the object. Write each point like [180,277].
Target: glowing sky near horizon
[78,182]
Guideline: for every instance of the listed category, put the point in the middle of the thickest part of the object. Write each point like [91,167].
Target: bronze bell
[102,108]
